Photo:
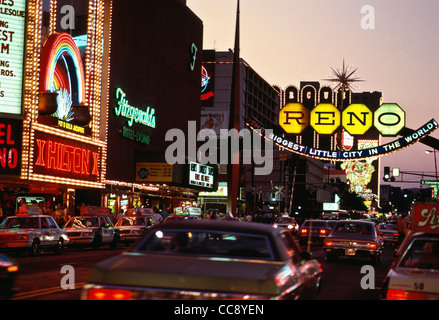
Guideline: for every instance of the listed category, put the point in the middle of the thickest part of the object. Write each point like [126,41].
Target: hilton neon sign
[72,159]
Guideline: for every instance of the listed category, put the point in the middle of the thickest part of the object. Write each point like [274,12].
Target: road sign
[430,182]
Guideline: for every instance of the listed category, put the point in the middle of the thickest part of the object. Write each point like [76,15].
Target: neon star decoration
[344,78]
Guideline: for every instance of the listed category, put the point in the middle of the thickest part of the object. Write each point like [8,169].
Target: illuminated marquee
[387,148]
[10,146]
[69,158]
[12,26]
[201,175]
[325,118]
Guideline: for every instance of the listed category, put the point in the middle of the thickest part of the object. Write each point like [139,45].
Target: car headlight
[290,226]
[274,225]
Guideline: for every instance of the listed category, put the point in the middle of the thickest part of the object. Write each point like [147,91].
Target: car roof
[356,221]
[30,216]
[217,225]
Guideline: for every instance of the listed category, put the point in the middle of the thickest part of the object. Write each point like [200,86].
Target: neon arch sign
[363,154]
[62,67]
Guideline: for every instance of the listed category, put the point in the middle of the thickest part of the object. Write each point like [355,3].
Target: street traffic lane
[342,279]
[40,277]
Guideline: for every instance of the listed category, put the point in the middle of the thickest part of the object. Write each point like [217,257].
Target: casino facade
[87,91]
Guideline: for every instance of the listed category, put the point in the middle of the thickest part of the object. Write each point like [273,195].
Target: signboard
[325,119]
[133,114]
[221,192]
[201,175]
[12,26]
[357,119]
[387,148]
[67,158]
[430,182]
[425,217]
[11,133]
[153,172]
[96,211]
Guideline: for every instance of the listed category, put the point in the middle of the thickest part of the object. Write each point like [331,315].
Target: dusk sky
[392,43]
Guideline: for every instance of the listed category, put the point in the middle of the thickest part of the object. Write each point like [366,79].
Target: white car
[414,275]
[91,231]
[30,233]
[132,227]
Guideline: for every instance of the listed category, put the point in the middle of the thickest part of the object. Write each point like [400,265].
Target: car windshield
[350,227]
[422,254]
[210,243]
[10,223]
[385,226]
[314,223]
[284,220]
[130,221]
[82,222]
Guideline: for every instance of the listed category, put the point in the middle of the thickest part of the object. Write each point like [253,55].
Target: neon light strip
[56,46]
[385,149]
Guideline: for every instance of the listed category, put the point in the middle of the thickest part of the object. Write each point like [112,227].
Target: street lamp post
[435,162]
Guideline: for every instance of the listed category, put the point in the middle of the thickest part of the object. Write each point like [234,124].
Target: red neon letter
[40,161]
[95,170]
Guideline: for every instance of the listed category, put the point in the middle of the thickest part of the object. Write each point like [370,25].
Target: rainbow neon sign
[61,63]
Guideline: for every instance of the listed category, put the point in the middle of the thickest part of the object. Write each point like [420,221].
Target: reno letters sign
[67,158]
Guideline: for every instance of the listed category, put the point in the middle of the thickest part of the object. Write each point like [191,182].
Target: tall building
[259,100]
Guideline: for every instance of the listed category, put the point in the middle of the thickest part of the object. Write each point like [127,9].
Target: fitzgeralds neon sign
[133,114]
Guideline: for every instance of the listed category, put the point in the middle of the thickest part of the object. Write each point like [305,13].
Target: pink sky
[288,41]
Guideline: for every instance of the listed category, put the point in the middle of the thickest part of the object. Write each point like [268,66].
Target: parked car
[314,231]
[208,259]
[8,272]
[131,228]
[286,222]
[29,232]
[388,232]
[354,238]
[92,231]
[414,272]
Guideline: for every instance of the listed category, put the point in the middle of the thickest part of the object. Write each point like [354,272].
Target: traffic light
[386,174]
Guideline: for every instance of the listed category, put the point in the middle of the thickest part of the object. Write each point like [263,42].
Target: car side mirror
[305,255]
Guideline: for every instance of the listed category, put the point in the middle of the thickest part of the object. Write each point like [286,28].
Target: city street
[40,277]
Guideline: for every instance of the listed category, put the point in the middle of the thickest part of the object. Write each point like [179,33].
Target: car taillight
[322,231]
[328,243]
[303,231]
[405,295]
[22,237]
[372,245]
[380,233]
[396,234]
[109,294]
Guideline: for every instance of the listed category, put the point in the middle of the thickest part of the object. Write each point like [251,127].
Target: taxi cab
[414,274]
[29,232]
[92,229]
[132,227]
